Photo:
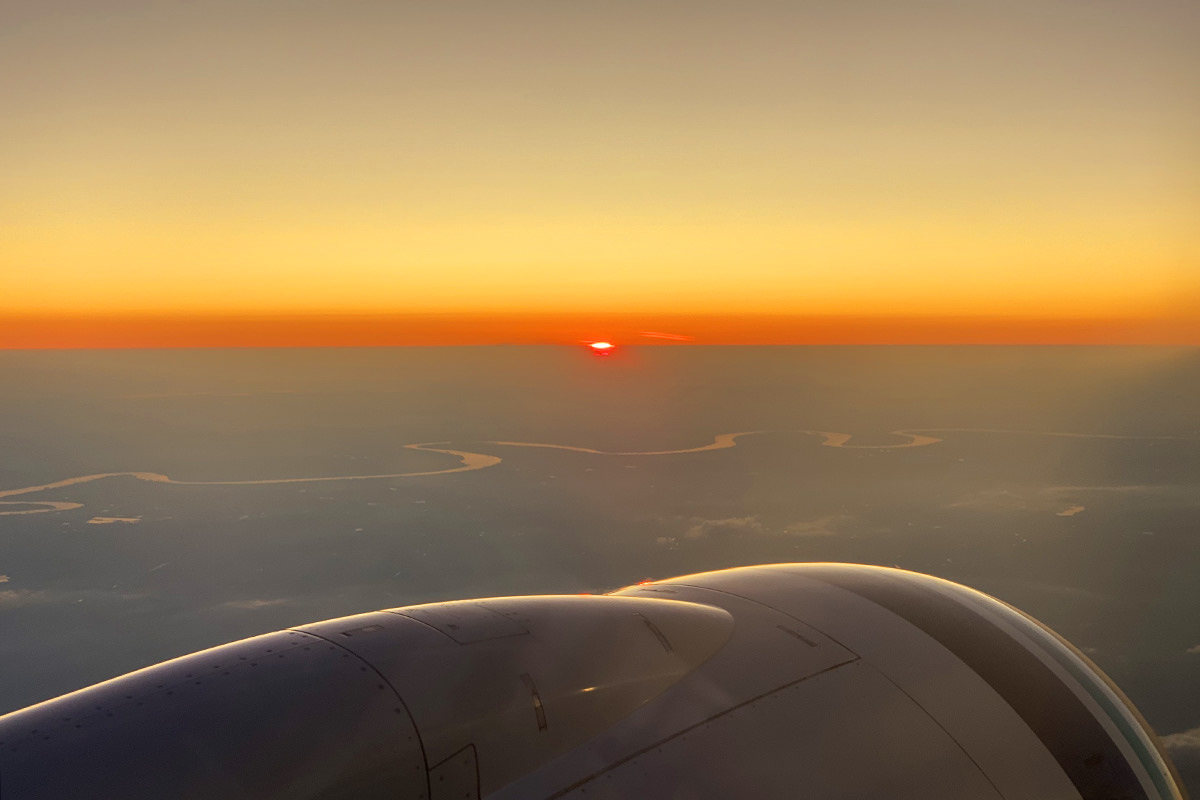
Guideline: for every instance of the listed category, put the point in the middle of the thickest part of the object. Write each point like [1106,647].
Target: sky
[306,172]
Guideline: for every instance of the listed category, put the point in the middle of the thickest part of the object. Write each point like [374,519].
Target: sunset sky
[360,171]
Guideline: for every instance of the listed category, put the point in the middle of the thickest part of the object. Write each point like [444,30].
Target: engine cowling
[788,681]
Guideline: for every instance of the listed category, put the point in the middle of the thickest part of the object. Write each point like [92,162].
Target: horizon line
[58,331]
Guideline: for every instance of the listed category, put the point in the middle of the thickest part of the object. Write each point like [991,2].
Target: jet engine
[789,681]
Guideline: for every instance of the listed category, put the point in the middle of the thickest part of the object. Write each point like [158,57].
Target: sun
[601,348]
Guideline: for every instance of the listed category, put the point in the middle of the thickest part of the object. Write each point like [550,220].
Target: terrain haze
[156,502]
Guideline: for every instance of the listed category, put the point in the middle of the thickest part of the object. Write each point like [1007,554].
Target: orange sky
[368,173]
[623,329]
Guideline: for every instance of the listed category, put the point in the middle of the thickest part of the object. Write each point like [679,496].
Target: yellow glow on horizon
[809,265]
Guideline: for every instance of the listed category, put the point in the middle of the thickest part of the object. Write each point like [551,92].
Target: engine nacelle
[783,681]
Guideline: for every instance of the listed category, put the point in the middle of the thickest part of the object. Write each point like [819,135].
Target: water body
[153,503]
